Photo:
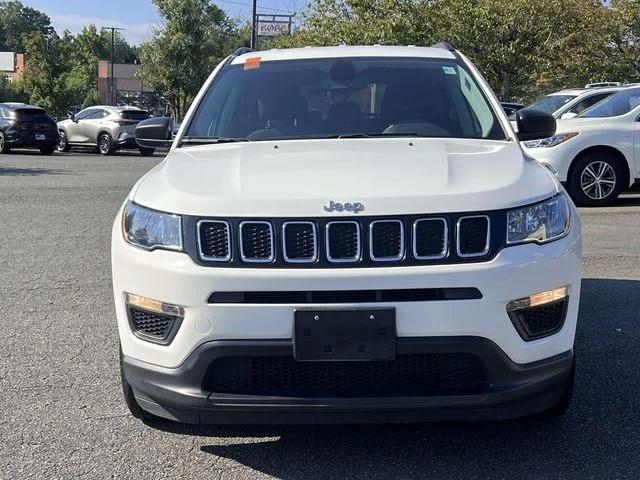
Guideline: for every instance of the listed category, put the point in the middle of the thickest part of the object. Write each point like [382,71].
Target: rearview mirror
[534,124]
[154,132]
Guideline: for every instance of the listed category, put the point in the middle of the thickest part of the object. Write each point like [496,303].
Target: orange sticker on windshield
[252,63]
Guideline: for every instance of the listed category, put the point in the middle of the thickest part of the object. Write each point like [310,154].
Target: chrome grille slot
[256,242]
[386,240]
[214,240]
[343,241]
[430,240]
[473,236]
[299,242]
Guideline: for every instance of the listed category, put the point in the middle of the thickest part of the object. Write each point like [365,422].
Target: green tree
[523,48]
[18,21]
[178,58]
[44,77]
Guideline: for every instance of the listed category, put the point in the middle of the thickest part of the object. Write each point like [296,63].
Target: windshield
[33,114]
[615,105]
[551,103]
[319,98]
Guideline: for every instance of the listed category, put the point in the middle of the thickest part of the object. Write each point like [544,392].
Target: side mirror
[534,124]
[154,132]
[71,117]
[568,115]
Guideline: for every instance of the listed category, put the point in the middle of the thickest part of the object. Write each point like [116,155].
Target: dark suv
[24,125]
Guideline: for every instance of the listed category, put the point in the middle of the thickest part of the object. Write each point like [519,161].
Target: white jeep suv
[346,234]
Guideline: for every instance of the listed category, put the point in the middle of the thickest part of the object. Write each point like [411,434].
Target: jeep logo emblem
[356,207]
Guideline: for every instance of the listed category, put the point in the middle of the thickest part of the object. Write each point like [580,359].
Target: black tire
[63,142]
[564,402]
[105,144]
[130,400]
[4,148]
[596,179]
[48,149]
[146,152]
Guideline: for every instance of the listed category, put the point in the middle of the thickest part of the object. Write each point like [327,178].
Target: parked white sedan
[597,154]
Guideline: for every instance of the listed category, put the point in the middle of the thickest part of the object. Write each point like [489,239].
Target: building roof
[345,51]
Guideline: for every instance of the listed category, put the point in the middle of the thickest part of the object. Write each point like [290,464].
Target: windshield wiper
[370,135]
[210,140]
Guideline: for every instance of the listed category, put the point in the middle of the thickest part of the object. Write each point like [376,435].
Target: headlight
[540,223]
[551,141]
[150,229]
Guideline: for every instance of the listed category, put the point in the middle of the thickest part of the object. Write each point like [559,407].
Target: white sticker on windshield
[449,70]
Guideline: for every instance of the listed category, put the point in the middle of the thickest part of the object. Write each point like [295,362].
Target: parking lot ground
[61,412]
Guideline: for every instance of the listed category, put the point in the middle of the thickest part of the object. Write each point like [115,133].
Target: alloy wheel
[104,144]
[598,180]
[1,143]
[62,142]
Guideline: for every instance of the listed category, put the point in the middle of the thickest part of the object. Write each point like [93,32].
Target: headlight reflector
[551,141]
[150,229]
[540,223]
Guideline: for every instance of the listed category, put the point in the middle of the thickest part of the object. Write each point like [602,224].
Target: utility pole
[112,88]
[254,26]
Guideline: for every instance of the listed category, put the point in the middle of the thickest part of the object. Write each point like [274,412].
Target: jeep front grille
[343,243]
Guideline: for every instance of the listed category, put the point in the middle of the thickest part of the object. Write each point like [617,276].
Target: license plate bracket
[345,335]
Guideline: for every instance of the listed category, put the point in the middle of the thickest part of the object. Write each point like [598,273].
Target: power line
[250,6]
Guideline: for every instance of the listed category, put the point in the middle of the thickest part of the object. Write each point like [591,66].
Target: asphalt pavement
[62,415]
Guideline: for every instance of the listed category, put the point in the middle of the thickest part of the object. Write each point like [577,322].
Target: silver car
[104,127]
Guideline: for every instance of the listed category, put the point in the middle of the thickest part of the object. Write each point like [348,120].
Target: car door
[75,128]
[92,125]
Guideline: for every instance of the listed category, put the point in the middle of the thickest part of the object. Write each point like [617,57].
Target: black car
[24,125]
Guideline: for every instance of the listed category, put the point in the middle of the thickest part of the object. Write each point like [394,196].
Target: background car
[24,125]
[571,102]
[511,107]
[597,154]
[104,127]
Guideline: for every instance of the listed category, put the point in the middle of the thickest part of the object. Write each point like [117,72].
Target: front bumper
[514,390]
[126,140]
[524,376]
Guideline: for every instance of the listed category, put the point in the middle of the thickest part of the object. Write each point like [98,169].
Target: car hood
[577,124]
[388,176]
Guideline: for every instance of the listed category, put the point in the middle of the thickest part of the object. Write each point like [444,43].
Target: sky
[138,17]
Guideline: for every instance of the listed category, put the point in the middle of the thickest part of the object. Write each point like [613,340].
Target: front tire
[130,400]
[63,142]
[105,145]
[597,179]
[4,148]
[564,402]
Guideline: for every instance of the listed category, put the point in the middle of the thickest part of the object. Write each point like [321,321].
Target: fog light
[539,315]
[152,320]
[154,305]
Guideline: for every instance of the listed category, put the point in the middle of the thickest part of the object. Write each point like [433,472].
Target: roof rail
[446,45]
[242,51]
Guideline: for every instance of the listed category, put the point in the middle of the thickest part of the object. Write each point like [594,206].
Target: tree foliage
[180,55]
[17,22]
[524,48]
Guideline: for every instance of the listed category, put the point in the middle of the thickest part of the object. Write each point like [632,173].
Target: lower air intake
[407,375]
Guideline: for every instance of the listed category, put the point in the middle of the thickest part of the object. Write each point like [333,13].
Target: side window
[97,114]
[84,114]
[587,102]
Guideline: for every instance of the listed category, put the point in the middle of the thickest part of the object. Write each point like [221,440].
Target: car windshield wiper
[370,135]
[210,140]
